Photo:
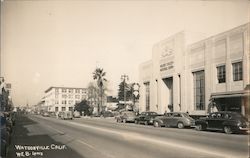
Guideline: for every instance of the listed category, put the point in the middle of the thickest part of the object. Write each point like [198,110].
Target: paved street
[95,137]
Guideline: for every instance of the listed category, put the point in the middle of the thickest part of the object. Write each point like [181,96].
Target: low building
[63,98]
[199,77]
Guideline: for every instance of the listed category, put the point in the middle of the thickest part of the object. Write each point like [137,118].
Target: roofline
[219,34]
[62,87]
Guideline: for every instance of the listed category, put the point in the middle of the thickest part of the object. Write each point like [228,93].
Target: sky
[61,42]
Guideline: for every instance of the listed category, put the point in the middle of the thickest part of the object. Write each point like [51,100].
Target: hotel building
[63,98]
[209,75]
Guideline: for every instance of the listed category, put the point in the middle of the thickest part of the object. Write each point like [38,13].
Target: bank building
[209,75]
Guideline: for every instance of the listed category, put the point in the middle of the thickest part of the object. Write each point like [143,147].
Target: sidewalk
[37,145]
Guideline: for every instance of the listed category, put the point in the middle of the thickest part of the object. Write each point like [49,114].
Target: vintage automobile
[227,121]
[146,118]
[76,114]
[65,115]
[126,116]
[106,114]
[45,114]
[174,119]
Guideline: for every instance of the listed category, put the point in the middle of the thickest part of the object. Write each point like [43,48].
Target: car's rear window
[130,114]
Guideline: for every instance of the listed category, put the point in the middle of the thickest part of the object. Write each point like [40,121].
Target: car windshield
[185,115]
[153,113]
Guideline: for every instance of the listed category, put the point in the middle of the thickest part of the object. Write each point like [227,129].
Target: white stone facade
[64,98]
[178,69]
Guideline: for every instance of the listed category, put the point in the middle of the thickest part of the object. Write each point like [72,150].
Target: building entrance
[169,88]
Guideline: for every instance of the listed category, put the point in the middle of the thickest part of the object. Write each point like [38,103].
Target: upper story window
[221,74]
[77,90]
[64,96]
[237,71]
[57,90]
[64,102]
[64,90]
[77,96]
[70,90]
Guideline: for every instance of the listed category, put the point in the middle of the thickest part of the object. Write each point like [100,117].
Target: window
[77,96]
[84,97]
[64,96]
[57,90]
[64,102]
[77,90]
[237,71]
[147,88]
[70,90]
[70,102]
[57,102]
[221,74]
[56,109]
[70,96]
[63,108]
[56,96]
[70,108]
[64,90]
[199,90]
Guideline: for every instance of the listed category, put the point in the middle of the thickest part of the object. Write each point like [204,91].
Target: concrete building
[199,77]
[63,98]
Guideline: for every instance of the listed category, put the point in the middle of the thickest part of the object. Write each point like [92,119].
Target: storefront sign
[167,66]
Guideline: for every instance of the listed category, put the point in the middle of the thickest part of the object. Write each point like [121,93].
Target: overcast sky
[60,43]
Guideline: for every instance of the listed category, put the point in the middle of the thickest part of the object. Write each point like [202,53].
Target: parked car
[227,121]
[45,114]
[65,115]
[126,116]
[106,114]
[174,119]
[146,118]
[76,114]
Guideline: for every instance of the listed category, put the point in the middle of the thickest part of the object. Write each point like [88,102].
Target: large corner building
[63,98]
[208,75]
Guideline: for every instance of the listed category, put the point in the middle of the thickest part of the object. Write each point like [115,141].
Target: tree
[83,106]
[99,75]
[128,89]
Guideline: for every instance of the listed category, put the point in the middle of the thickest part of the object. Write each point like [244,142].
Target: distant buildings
[200,77]
[63,98]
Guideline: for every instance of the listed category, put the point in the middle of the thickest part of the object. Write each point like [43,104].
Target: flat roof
[62,87]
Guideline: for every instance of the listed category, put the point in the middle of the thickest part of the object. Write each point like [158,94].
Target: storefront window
[237,71]
[199,90]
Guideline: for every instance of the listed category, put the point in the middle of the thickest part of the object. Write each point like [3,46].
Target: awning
[231,94]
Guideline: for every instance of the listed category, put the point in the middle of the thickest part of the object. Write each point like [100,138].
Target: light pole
[124,78]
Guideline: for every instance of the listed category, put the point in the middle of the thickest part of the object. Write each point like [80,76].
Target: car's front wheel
[124,120]
[228,130]
[199,127]
[180,125]
[156,124]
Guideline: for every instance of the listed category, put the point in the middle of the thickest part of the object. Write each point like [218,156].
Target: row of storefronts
[209,75]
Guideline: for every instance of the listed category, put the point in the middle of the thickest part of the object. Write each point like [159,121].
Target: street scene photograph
[125,78]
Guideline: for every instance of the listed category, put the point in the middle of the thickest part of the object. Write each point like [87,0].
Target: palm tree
[99,75]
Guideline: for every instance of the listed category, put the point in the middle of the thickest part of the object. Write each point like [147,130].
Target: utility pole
[124,78]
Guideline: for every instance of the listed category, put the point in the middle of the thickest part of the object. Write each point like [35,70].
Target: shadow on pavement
[20,137]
